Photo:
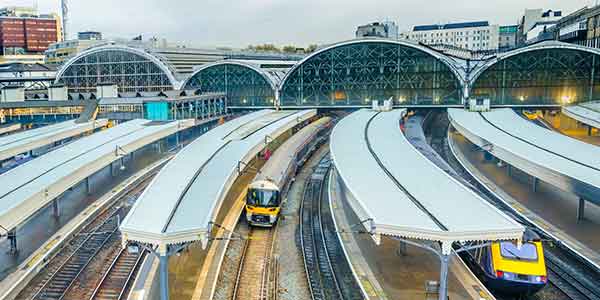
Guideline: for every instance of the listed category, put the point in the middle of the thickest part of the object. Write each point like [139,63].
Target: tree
[289,49]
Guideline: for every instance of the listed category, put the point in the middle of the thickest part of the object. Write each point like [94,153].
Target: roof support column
[581,210]
[12,237]
[443,291]
[163,260]
[55,208]
[163,270]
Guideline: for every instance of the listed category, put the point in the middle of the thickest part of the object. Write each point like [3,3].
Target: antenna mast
[64,14]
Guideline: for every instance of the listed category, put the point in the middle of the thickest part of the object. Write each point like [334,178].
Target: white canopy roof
[569,164]
[403,193]
[587,113]
[186,195]
[27,140]
[29,187]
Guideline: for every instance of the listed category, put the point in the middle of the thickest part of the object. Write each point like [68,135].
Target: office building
[386,29]
[507,37]
[474,36]
[25,35]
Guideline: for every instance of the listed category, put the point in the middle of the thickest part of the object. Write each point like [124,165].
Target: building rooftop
[451,26]
[24,67]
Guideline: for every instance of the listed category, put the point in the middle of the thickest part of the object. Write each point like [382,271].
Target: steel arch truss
[243,85]
[537,77]
[129,71]
[357,73]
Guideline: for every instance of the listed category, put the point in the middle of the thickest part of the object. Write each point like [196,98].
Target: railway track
[114,283]
[320,247]
[568,274]
[257,277]
[71,272]
[62,279]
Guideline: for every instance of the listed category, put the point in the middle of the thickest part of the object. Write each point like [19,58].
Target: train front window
[509,250]
[263,198]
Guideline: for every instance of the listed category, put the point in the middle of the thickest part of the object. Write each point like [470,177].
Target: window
[528,251]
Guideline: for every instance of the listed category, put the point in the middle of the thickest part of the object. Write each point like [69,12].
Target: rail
[328,272]
[66,267]
[253,279]
[568,270]
[115,282]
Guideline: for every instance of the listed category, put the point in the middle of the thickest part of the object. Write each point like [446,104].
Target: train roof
[274,169]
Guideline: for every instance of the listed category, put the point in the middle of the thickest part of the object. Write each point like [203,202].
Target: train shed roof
[567,163]
[397,194]
[185,197]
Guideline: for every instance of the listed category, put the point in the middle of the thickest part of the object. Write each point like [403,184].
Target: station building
[348,74]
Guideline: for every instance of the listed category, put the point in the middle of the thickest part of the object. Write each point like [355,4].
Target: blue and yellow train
[508,268]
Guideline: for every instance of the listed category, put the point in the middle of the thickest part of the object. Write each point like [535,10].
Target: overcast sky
[238,23]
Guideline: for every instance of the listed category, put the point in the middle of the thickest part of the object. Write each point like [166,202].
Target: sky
[239,23]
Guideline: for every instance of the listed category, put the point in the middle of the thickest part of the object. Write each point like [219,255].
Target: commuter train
[508,269]
[264,194]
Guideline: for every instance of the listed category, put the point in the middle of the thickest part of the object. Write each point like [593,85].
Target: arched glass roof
[355,72]
[550,73]
[245,83]
[132,69]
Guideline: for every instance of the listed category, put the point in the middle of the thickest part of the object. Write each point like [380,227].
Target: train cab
[508,268]
[263,203]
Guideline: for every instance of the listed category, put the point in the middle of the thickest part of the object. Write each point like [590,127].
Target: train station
[371,168]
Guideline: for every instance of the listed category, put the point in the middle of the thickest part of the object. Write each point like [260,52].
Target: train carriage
[264,194]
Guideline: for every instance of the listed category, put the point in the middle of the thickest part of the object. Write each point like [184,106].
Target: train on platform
[264,194]
[507,268]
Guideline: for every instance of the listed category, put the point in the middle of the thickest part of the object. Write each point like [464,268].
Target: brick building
[24,38]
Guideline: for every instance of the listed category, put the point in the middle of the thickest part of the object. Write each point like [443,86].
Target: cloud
[238,23]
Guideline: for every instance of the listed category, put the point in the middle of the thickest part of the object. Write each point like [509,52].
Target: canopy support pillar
[88,187]
[443,291]
[12,237]
[589,131]
[581,210]
[55,208]
[164,276]
[535,184]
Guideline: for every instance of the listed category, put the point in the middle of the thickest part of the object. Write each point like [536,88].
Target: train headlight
[540,279]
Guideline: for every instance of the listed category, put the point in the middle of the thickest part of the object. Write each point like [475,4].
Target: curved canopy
[355,72]
[132,69]
[546,73]
[244,82]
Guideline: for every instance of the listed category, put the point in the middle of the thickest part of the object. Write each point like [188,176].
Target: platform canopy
[405,195]
[32,185]
[184,199]
[587,113]
[27,140]
[564,162]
